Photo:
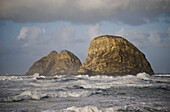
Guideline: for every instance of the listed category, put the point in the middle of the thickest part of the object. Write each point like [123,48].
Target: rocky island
[107,55]
[56,64]
[114,55]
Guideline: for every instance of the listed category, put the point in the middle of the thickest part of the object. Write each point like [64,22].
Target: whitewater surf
[83,93]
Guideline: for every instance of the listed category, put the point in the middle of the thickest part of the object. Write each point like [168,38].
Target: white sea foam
[36,74]
[37,95]
[59,76]
[104,82]
[83,109]
[125,108]
[82,76]
[26,95]
[83,93]
[14,78]
[164,75]
[92,109]
[9,78]
[85,81]
[144,76]
[96,77]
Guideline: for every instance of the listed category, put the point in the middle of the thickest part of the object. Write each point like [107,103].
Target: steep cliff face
[63,63]
[113,55]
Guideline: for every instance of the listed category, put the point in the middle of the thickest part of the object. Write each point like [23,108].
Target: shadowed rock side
[113,55]
[55,64]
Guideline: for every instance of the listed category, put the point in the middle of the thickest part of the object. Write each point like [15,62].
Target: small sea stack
[56,64]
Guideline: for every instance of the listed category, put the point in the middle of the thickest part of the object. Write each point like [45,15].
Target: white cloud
[94,31]
[23,33]
[146,38]
[30,32]
[133,12]
[32,36]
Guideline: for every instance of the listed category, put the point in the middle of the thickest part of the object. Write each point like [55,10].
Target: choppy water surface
[83,93]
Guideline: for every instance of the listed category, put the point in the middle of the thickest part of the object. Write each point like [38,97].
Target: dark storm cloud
[132,12]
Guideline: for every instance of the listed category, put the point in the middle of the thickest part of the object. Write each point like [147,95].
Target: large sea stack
[114,55]
[56,64]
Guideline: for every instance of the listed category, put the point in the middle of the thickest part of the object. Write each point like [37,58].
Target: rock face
[63,63]
[113,55]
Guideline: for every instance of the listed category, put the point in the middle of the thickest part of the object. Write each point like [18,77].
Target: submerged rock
[63,63]
[113,55]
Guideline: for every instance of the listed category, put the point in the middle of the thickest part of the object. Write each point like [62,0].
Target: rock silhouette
[56,64]
[114,55]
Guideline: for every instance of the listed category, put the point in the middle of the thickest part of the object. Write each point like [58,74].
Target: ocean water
[83,93]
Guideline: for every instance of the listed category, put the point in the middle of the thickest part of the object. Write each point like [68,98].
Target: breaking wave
[37,95]
[84,93]
[91,108]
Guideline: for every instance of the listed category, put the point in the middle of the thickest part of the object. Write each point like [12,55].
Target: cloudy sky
[30,29]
